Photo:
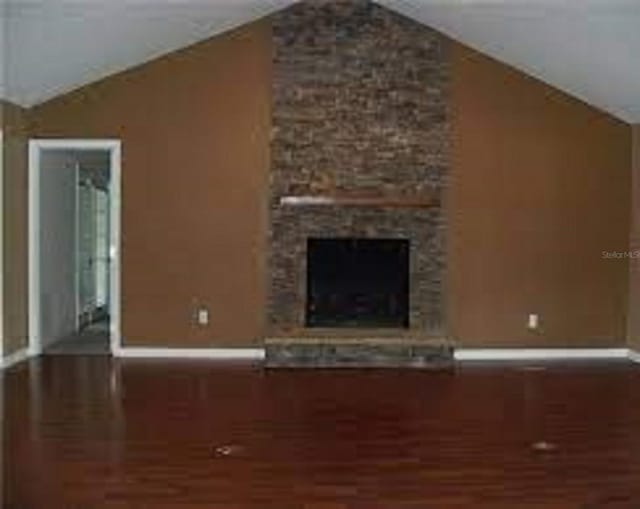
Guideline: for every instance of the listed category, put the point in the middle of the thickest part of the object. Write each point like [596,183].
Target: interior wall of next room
[57,244]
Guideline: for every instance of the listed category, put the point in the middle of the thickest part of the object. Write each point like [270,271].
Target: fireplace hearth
[357,282]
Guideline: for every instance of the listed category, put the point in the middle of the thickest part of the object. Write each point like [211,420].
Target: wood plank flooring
[91,432]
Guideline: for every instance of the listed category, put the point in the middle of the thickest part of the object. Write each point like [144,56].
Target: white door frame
[35,147]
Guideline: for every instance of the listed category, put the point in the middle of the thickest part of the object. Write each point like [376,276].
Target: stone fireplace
[360,151]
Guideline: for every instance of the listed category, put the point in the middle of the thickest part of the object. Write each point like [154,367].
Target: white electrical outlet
[533,321]
[203,316]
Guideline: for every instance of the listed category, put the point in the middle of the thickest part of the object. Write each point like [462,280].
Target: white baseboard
[257,354]
[14,358]
[191,353]
[481,354]
[527,354]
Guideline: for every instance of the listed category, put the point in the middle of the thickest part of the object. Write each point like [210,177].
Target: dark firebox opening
[353,282]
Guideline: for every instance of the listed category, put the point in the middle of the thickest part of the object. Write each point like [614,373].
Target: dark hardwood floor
[91,432]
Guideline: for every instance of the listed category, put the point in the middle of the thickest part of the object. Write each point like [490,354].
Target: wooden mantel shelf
[421,201]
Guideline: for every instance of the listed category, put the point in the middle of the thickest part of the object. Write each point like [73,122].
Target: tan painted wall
[195,135]
[634,275]
[15,227]
[540,188]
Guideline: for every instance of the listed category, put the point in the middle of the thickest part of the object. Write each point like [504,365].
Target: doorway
[74,255]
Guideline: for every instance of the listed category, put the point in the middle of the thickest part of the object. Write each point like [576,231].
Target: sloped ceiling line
[587,48]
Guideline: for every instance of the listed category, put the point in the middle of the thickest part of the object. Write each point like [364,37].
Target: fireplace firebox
[357,282]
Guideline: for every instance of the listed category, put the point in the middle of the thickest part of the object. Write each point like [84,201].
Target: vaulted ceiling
[54,46]
[588,48]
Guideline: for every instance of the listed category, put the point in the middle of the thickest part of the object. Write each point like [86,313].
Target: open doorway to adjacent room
[74,234]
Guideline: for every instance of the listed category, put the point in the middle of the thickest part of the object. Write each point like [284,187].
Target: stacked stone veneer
[359,105]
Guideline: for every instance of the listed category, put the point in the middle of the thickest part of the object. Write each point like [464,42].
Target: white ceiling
[54,46]
[589,48]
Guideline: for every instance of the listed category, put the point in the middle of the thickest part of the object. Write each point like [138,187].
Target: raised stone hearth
[358,352]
